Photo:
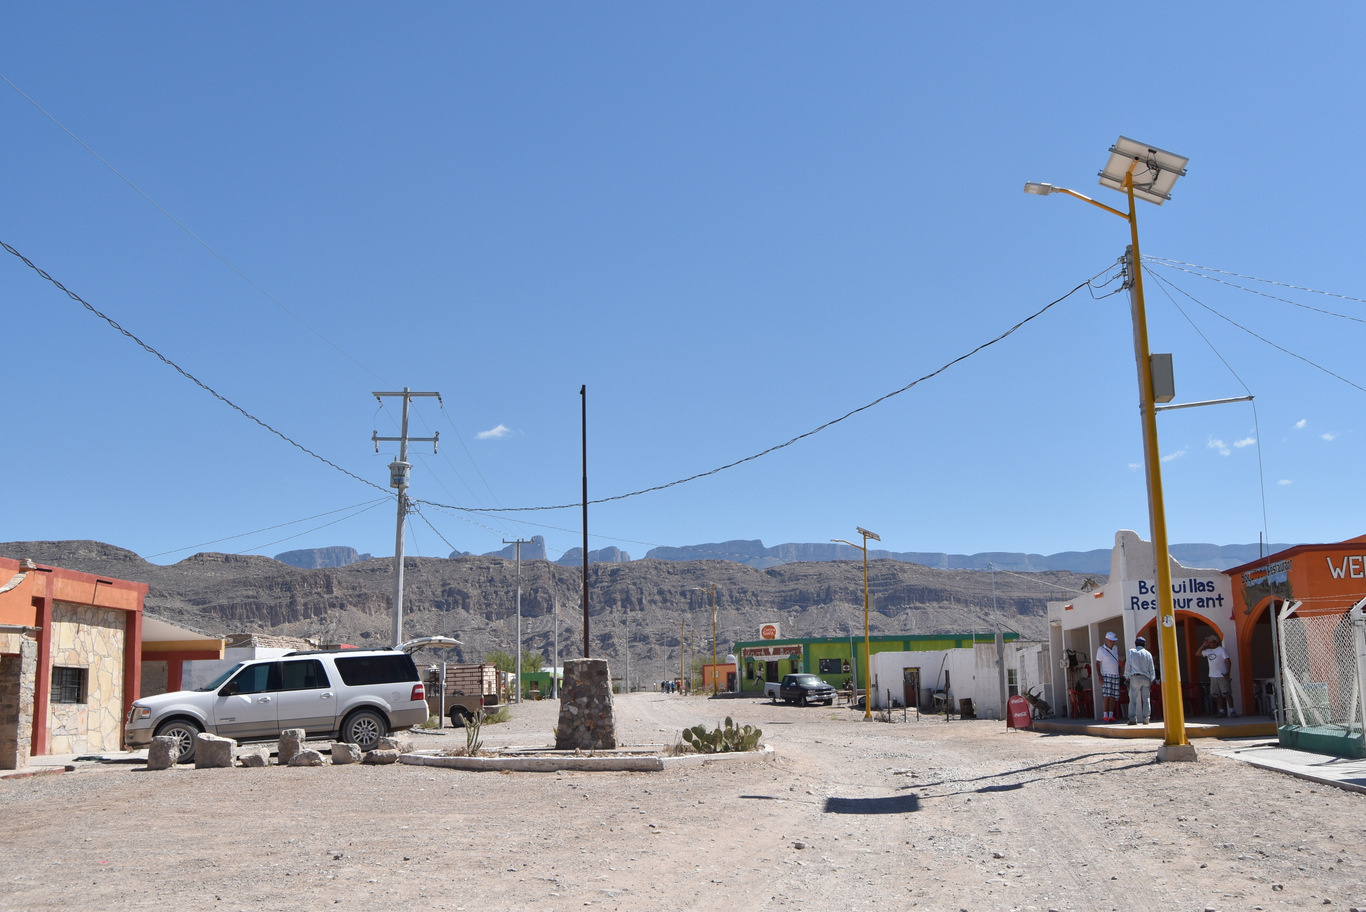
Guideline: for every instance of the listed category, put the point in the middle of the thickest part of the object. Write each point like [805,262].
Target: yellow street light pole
[1159,170]
[867,639]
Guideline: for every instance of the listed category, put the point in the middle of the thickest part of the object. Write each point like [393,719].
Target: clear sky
[732,222]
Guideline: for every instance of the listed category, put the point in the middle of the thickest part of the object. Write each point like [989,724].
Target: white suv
[351,694]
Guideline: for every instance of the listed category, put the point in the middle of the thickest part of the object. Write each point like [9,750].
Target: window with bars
[68,685]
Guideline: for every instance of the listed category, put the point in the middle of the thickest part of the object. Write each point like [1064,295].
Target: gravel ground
[851,815]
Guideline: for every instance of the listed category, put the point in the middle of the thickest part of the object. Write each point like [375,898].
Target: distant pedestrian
[1142,671]
[1107,661]
[1220,690]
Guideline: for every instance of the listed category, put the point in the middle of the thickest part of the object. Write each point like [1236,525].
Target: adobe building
[1327,579]
[71,659]
[1126,605]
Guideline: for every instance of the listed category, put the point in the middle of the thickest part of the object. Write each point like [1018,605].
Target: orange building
[1327,579]
[71,659]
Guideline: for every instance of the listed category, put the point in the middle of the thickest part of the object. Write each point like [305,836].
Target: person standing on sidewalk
[1107,661]
[1142,672]
[1220,690]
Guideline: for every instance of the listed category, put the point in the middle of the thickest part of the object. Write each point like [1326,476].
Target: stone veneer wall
[587,721]
[18,671]
[93,639]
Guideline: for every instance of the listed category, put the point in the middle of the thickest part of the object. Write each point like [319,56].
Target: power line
[181,225]
[368,505]
[1192,270]
[180,370]
[1089,283]
[1261,338]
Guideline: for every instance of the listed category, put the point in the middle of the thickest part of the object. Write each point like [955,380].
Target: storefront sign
[768,632]
[772,653]
[1188,594]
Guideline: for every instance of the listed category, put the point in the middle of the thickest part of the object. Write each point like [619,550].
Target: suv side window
[303,674]
[376,669]
[254,679]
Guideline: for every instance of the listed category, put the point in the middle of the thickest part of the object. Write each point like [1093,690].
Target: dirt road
[852,815]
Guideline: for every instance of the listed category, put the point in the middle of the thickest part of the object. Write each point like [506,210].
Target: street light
[1144,172]
[867,640]
[711,587]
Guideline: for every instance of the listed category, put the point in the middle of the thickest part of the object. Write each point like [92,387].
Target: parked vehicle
[462,707]
[347,694]
[805,688]
[771,690]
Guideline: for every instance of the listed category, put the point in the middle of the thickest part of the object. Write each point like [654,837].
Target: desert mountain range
[644,607]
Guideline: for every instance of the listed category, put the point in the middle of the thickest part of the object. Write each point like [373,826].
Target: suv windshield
[219,681]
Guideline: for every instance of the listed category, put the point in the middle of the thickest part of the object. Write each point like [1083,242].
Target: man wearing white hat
[1107,661]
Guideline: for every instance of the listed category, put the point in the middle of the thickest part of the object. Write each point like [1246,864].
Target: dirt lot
[852,815]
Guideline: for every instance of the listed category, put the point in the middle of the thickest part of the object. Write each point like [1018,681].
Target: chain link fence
[1320,672]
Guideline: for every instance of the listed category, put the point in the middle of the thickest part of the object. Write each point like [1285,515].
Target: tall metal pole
[583,423]
[555,666]
[682,653]
[867,640]
[519,542]
[398,478]
[1175,744]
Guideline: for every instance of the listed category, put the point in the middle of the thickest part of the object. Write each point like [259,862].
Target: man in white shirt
[1220,690]
[1107,661]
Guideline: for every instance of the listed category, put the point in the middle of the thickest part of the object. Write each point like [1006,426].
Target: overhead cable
[181,225]
[800,437]
[184,373]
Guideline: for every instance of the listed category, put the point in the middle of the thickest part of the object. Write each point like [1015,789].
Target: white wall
[973,673]
[1127,603]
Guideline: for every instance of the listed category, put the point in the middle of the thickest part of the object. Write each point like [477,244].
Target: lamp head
[1038,189]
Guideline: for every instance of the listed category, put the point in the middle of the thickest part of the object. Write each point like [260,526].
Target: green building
[838,660]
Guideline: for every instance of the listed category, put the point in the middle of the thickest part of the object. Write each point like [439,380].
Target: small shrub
[723,739]
[502,715]
[432,722]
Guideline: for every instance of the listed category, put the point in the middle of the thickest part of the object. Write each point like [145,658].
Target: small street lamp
[1144,172]
[711,587]
[867,640]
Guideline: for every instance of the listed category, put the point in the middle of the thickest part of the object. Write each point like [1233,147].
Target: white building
[980,673]
[1127,605]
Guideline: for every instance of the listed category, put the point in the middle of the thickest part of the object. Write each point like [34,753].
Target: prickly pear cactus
[723,739]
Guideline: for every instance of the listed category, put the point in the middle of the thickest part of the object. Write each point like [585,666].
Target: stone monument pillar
[586,719]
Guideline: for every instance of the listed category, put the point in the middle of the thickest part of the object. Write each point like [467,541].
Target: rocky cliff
[648,604]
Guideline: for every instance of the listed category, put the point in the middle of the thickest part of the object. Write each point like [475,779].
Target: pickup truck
[461,708]
[805,688]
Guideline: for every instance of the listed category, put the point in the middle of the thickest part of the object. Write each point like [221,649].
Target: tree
[532,662]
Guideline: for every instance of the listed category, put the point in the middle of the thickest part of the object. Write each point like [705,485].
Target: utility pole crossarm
[398,478]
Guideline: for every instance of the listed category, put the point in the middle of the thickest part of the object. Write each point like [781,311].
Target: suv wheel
[184,731]
[364,729]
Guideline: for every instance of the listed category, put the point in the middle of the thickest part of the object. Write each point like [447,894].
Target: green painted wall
[839,652]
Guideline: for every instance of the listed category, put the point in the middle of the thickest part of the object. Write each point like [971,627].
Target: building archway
[1191,630]
[1257,665]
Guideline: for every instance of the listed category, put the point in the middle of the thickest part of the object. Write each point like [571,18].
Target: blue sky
[732,223]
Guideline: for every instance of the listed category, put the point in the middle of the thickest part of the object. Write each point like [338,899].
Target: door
[245,707]
[307,699]
[910,687]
